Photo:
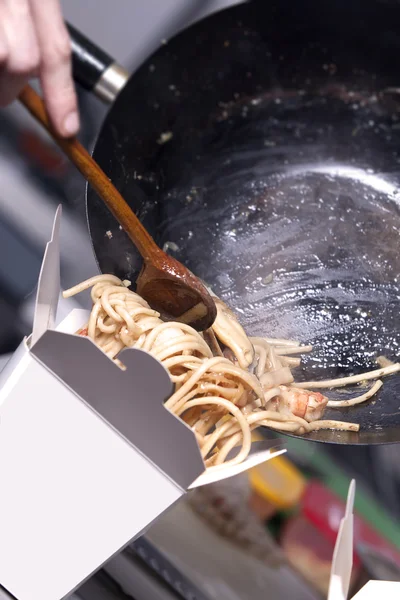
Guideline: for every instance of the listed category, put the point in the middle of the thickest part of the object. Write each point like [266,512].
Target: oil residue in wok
[290,212]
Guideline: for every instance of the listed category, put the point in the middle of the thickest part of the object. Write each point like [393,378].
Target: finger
[19,50]
[56,69]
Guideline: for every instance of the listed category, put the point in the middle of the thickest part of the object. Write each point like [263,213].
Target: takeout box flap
[342,562]
[74,321]
[129,400]
[260,452]
[389,590]
[48,289]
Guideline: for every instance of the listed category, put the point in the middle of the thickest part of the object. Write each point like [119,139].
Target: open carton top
[131,399]
[342,563]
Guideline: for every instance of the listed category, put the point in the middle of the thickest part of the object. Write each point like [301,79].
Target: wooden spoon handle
[95,176]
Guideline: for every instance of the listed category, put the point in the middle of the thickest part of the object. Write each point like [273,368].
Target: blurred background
[273,528]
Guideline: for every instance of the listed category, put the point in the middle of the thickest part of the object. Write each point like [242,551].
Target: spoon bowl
[176,294]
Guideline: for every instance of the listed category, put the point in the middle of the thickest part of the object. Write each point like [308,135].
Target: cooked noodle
[222,396]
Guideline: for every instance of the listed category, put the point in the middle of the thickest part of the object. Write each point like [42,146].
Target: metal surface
[111,83]
[168,572]
[135,581]
[281,157]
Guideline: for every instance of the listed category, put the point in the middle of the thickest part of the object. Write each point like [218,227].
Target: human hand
[34,42]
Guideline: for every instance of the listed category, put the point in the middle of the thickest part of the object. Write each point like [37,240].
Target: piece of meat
[308,405]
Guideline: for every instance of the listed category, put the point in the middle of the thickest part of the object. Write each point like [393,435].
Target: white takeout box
[342,564]
[89,456]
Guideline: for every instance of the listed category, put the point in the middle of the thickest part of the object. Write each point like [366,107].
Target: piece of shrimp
[308,405]
[83,331]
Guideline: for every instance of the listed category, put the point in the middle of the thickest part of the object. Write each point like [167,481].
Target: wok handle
[94,69]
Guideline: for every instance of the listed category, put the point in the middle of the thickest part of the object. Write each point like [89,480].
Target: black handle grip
[88,61]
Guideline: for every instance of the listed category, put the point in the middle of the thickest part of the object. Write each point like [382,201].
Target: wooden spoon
[164,282]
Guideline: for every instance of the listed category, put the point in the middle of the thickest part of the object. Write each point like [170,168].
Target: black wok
[264,142]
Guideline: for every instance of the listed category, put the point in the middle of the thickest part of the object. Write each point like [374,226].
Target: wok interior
[278,186]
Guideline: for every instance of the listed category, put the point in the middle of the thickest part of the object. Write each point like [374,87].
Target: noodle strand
[225,390]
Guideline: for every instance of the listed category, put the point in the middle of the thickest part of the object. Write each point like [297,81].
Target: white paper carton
[342,564]
[386,590]
[89,456]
